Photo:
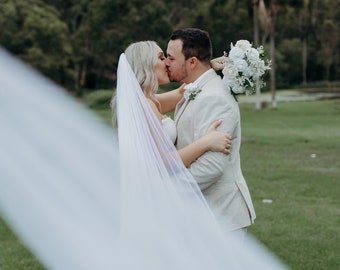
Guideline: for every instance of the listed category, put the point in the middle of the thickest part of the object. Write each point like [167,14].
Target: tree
[273,17]
[327,34]
[264,19]
[73,13]
[79,41]
[305,22]
[231,22]
[109,27]
[256,40]
[33,31]
[260,18]
[255,7]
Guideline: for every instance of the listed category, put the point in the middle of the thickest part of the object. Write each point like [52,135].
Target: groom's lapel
[184,102]
[180,108]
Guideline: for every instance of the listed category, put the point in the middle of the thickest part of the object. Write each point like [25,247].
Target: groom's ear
[193,62]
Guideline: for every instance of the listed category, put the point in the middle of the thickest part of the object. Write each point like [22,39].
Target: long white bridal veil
[80,200]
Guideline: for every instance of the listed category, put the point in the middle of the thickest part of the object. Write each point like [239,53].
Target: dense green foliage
[77,43]
[33,31]
[301,225]
[99,99]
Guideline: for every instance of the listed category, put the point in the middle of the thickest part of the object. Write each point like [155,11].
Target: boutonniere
[191,90]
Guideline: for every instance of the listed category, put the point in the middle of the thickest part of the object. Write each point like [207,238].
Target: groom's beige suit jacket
[218,175]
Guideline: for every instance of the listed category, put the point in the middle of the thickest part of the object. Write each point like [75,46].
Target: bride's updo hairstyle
[142,57]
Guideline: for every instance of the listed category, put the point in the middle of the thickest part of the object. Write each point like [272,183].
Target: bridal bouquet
[244,66]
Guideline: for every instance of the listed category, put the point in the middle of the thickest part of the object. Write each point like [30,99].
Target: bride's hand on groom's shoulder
[181,89]
[218,141]
[218,63]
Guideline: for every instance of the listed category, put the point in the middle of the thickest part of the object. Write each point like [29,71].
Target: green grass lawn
[302,224]
[13,255]
[290,156]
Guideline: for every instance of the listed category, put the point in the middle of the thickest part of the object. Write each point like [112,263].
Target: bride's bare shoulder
[155,109]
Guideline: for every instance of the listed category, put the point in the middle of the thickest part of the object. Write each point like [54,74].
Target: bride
[80,201]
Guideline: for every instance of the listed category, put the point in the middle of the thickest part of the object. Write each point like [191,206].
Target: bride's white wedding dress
[169,127]
[77,202]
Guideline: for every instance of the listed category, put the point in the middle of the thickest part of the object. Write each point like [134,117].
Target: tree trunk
[304,60]
[256,40]
[273,12]
[83,75]
[77,75]
[264,20]
[305,25]
[256,21]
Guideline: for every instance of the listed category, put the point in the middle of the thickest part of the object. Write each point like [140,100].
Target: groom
[218,175]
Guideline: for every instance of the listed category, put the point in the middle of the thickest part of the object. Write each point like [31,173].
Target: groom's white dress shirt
[218,175]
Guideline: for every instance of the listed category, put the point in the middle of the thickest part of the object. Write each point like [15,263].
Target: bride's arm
[218,63]
[155,109]
[213,141]
[168,100]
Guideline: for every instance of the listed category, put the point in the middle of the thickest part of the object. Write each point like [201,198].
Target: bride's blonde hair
[142,57]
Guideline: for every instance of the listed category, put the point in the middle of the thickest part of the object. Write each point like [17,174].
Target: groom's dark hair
[196,42]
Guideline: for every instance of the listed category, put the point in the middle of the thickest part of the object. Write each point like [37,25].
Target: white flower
[191,90]
[190,87]
[244,67]
[241,65]
[253,55]
[236,53]
[244,45]
[230,70]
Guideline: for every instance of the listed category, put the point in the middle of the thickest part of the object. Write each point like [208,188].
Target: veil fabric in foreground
[78,200]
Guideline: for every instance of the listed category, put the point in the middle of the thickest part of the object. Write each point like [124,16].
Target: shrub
[99,99]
